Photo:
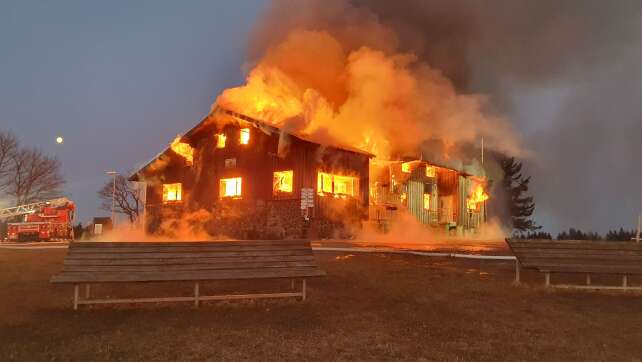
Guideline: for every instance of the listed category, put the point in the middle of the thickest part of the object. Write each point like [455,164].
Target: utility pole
[637,236]
[482,150]
[113,196]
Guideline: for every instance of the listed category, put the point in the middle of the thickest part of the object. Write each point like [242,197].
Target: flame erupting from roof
[316,84]
[183,149]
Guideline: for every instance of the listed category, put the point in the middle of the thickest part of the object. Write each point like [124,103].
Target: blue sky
[117,79]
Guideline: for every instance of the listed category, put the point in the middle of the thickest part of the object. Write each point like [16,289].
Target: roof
[306,138]
[208,120]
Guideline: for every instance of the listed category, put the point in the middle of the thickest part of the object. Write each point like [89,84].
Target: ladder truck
[41,221]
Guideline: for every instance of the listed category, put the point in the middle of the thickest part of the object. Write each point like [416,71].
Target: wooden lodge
[256,181]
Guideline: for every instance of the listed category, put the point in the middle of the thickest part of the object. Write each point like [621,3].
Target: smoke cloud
[566,74]
[336,72]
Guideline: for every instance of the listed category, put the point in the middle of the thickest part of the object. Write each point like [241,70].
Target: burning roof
[220,117]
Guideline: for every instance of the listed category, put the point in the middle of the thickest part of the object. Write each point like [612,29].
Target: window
[337,184]
[220,140]
[431,171]
[230,162]
[426,201]
[405,167]
[244,137]
[230,187]
[282,181]
[172,192]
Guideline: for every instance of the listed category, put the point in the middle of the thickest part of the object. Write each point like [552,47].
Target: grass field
[371,306]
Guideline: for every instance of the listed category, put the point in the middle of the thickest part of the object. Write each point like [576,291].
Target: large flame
[183,149]
[385,103]
[478,196]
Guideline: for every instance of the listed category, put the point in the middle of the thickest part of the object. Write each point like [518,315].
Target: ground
[371,306]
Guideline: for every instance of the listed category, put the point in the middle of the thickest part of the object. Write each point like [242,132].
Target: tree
[8,149]
[577,234]
[520,205]
[33,176]
[127,198]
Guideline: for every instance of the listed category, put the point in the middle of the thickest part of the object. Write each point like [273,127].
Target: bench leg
[588,279]
[517,272]
[76,296]
[547,279]
[196,294]
[292,284]
[624,281]
[87,291]
[303,291]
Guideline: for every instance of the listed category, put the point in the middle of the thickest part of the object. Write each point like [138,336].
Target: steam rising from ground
[334,72]
[405,229]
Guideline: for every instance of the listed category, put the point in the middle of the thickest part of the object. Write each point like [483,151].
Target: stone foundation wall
[257,219]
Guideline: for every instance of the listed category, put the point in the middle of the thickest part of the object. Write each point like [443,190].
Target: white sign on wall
[307,198]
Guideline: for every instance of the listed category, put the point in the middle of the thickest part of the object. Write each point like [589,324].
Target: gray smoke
[567,73]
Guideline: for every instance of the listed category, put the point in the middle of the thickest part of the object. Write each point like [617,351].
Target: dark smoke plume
[568,74]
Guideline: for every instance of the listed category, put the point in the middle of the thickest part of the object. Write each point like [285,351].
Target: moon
[60,140]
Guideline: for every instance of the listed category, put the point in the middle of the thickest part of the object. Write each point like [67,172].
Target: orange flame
[183,149]
[478,196]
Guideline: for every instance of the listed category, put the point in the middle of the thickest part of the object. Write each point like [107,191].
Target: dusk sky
[120,79]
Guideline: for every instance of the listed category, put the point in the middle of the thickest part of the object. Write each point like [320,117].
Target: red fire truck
[42,221]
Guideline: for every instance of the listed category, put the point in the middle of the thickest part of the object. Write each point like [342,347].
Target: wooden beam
[593,286]
[196,294]
[75,296]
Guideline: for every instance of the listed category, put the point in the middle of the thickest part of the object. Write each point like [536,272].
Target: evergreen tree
[520,205]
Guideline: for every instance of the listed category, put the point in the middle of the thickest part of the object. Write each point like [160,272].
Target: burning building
[255,180]
[436,195]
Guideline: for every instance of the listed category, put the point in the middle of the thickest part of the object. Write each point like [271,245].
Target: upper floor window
[172,192]
[244,137]
[220,140]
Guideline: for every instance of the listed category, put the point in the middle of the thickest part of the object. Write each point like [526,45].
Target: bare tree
[127,197]
[8,149]
[33,176]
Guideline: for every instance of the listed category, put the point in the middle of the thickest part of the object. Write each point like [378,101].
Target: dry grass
[371,306]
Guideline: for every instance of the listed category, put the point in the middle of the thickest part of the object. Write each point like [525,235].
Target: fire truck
[42,221]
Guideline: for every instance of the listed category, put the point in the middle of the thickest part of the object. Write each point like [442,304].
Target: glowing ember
[183,149]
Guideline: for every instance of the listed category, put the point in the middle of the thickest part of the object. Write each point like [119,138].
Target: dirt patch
[371,306]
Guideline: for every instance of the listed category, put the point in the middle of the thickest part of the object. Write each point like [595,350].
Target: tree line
[27,174]
[521,205]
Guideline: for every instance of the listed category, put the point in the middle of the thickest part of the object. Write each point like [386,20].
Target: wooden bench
[124,262]
[579,256]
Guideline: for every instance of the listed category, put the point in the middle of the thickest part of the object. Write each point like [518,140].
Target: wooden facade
[434,195]
[268,150]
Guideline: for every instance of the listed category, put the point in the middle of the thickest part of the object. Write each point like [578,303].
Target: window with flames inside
[230,188]
[282,182]
[337,185]
[172,192]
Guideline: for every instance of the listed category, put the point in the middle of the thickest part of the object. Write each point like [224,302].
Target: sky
[117,79]
[120,79]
